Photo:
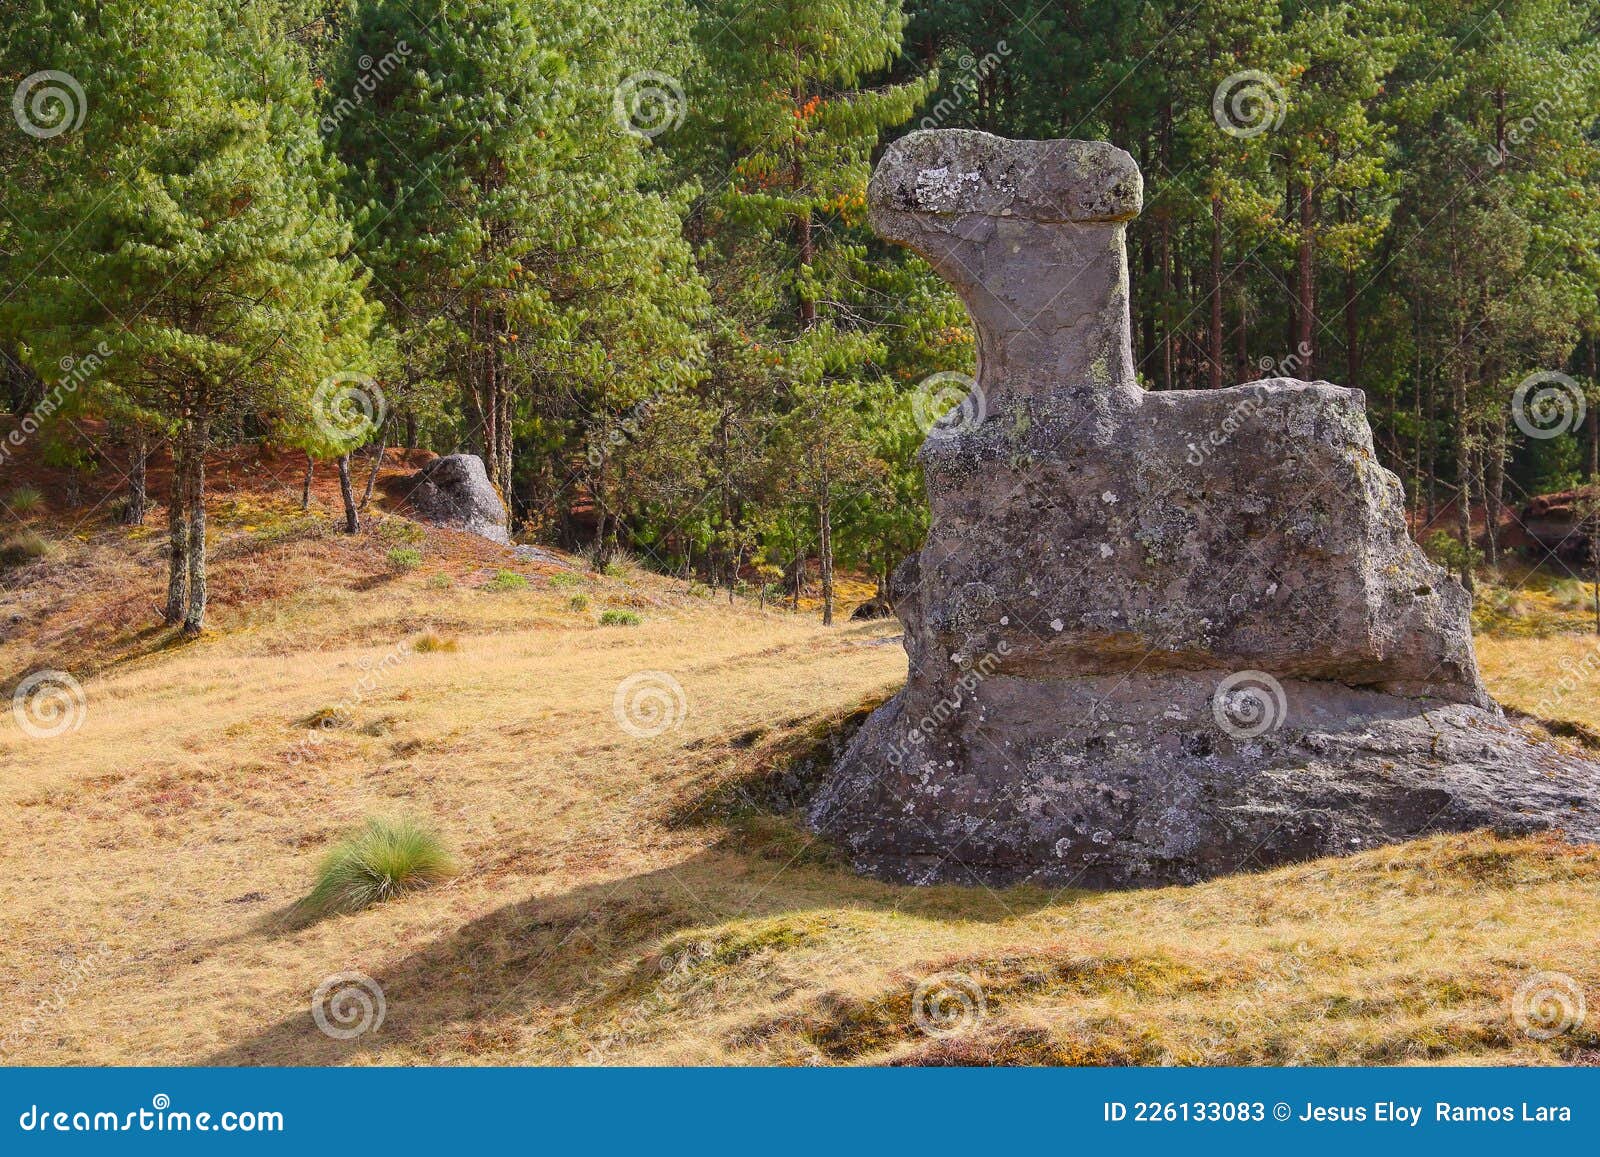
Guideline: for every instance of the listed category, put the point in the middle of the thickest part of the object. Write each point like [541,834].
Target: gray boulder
[1153,637]
[455,491]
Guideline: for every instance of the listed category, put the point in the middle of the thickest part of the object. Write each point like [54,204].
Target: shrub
[23,548]
[619,619]
[429,643]
[579,602]
[405,558]
[24,500]
[382,860]
[506,580]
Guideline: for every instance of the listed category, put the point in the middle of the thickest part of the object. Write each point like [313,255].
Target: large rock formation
[1152,636]
[455,491]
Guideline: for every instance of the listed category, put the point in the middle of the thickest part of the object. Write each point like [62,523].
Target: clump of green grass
[21,549]
[619,619]
[379,862]
[405,558]
[439,582]
[579,602]
[506,580]
[401,531]
[562,579]
[24,499]
[429,643]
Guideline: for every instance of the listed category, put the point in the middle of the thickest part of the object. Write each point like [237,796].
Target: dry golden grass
[621,900]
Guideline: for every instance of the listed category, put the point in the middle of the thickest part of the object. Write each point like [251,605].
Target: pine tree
[195,244]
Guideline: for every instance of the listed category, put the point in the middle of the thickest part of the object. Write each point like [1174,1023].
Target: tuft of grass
[381,861]
[619,619]
[405,558]
[402,532]
[439,582]
[24,499]
[506,580]
[429,643]
[579,602]
[23,548]
[329,718]
[561,580]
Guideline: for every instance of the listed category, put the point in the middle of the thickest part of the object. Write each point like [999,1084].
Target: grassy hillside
[636,898]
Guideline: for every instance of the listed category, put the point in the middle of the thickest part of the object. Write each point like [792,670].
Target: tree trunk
[411,430]
[377,462]
[825,558]
[352,522]
[138,495]
[1306,288]
[194,621]
[305,484]
[1216,292]
[1463,479]
[177,532]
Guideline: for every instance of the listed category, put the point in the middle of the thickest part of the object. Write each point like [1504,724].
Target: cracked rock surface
[1153,637]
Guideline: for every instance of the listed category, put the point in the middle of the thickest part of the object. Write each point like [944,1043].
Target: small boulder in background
[455,491]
